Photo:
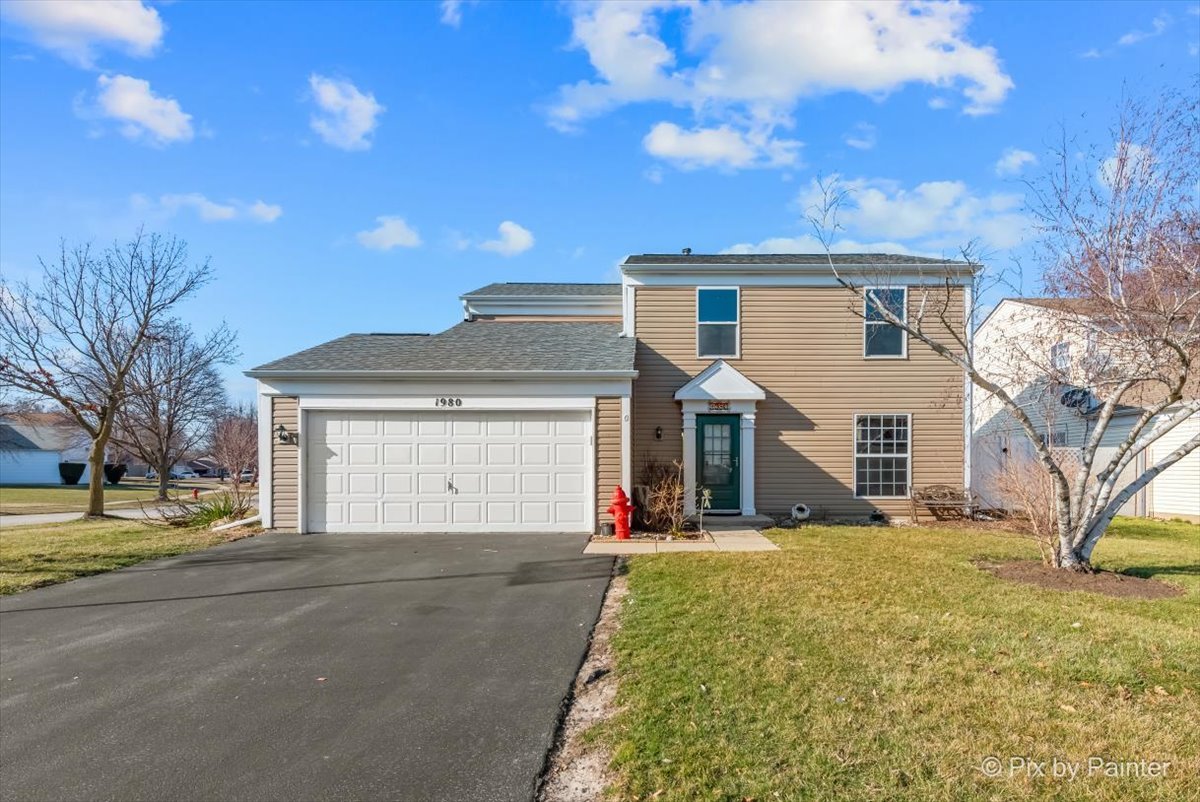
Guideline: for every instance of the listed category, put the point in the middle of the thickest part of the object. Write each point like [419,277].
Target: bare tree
[1118,244]
[173,394]
[235,443]
[75,338]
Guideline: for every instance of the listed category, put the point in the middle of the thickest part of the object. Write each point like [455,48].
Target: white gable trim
[720,381]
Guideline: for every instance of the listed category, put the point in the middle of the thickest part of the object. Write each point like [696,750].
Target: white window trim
[904,334]
[737,323]
[855,455]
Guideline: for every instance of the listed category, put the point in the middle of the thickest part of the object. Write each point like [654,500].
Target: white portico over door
[714,402]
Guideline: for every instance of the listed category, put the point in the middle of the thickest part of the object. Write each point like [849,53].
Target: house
[1044,351]
[33,444]
[758,372]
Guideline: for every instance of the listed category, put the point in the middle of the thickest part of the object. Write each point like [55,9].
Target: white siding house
[1063,415]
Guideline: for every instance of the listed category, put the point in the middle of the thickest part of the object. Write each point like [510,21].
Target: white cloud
[513,239]
[653,174]
[1157,26]
[207,210]
[862,136]
[392,232]
[721,147]
[264,212]
[1091,53]
[77,29]
[932,216]
[346,116]
[747,65]
[1013,161]
[1128,160]
[142,115]
[808,243]
[452,11]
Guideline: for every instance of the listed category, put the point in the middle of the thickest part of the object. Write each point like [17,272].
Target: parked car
[176,473]
[246,476]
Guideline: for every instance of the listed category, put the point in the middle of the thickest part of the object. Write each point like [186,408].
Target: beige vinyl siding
[285,463]
[608,453]
[804,347]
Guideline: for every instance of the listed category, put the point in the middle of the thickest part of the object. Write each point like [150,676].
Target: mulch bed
[1108,583]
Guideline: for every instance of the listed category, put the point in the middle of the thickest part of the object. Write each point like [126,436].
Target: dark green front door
[718,448]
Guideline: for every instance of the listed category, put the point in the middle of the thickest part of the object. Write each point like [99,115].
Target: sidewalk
[132,513]
[722,540]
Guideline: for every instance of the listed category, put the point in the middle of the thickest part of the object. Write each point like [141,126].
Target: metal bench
[943,502]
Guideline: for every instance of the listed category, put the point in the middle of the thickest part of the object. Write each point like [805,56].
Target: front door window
[718,450]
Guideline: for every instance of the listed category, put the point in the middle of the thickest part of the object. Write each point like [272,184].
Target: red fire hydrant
[195,493]
[620,510]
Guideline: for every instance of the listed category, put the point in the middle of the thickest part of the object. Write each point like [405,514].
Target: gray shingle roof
[522,289]
[13,440]
[783,259]
[477,346]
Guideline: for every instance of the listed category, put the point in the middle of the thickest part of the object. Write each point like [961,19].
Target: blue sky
[355,167]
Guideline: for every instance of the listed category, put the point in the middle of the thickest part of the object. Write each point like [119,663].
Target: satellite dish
[1080,399]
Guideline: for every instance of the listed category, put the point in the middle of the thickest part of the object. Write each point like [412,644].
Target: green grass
[881,664]
[24,500]
[32,556]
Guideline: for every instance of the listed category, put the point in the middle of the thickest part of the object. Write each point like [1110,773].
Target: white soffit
[720,381]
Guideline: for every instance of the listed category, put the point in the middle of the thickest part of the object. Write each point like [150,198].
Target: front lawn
[878,663]
[32,556]
[29,499]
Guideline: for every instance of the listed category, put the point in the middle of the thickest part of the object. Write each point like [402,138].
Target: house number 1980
[448,402]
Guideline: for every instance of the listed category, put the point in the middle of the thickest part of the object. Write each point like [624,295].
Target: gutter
[383,375]
[952,268]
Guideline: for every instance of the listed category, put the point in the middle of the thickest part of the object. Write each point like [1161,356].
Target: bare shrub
[664,505]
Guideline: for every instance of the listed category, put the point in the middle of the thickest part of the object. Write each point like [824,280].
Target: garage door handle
[450,486]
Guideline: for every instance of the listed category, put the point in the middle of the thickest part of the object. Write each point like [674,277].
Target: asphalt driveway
[413,667]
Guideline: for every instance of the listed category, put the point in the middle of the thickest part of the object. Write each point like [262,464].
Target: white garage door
[459,471]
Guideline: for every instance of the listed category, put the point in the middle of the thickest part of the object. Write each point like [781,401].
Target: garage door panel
[467,454]
[469,483]
[467,512]
[467,471]
[364,484]
[501,484]
[397,428]
[569,454]
[432,453]
[431,512]
[502,453]
[569,511]
[398,454]
[362,454]
[363,512]
[397,513]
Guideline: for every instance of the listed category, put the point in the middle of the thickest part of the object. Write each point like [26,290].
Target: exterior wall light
[657,432]
[284,437]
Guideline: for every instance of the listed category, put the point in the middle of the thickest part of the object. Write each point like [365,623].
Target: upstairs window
[717,324]
[1060,356]
[881,338]
[882,449]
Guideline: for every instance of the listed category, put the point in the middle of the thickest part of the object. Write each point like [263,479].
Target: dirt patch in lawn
[578,768]
[1108,583]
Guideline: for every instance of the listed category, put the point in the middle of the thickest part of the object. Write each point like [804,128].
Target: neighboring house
[758,372]
[1026,342]
[33,444]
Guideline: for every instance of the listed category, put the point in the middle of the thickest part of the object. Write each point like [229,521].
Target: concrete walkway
[722,540]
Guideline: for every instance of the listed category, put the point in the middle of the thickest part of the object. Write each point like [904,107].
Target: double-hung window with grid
[882,454]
